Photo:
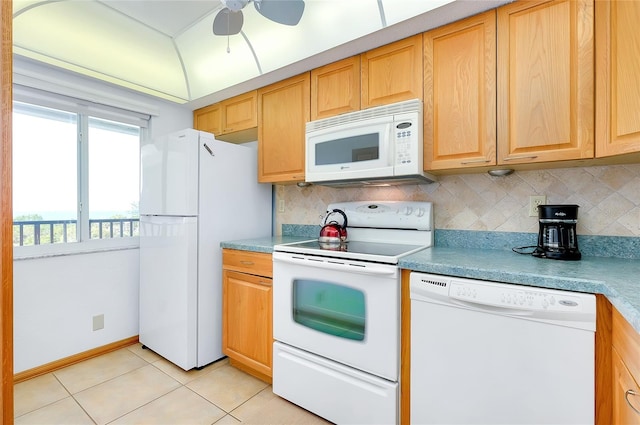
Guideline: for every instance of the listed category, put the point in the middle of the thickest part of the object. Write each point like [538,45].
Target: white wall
[55,298]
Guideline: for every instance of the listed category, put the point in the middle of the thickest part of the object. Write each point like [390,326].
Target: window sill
[74,248]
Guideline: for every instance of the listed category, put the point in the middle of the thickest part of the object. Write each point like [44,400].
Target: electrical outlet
[98,322]
[534,201]
[281,205]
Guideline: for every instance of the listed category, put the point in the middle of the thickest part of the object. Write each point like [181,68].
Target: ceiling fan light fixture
[234,5]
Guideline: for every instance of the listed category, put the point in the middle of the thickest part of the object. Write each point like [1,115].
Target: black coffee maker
[557,238]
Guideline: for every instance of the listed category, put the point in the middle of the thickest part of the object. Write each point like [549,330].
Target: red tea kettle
[333,232]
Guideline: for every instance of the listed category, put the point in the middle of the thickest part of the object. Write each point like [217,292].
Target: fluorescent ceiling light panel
[166,48]
[114,45]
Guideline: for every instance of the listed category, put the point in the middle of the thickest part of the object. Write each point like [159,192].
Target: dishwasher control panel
[504,296]
[485,294]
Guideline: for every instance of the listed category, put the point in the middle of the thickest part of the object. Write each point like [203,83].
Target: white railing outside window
[75,177]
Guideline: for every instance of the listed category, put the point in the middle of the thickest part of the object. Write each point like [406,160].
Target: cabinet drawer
[255,263]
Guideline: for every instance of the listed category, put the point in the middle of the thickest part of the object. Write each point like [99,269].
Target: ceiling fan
[230,19]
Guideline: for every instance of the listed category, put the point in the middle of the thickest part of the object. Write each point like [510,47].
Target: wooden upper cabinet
[232,120]
[208,119]
[460,94]
[392,73]
[240,112]
[617,77]
[335,88]
[283,111]
[545,81]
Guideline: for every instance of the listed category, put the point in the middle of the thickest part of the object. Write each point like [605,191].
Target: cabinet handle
[247,263]
[626,398]
[475,161]
[513,158]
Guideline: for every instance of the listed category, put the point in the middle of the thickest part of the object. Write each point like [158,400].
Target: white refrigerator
[195,192]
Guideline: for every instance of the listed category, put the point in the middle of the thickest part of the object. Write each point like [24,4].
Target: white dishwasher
[492,353]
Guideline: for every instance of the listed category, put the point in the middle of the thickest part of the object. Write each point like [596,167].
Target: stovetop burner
[381,232]
[358,247]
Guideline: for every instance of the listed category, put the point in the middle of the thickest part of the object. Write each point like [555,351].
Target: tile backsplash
[608,196]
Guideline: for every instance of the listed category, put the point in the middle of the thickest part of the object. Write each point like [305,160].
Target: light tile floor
[136,386]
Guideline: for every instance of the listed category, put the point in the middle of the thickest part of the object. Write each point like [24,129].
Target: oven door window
[329,308]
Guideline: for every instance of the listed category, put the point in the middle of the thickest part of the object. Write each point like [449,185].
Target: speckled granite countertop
[618,279]
[262,244]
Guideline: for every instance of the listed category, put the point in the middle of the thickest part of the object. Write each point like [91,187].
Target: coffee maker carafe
[557,238]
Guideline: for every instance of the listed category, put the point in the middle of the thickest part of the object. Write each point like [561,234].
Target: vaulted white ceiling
[166,48]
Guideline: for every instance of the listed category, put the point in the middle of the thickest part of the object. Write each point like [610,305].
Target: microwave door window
[348,150]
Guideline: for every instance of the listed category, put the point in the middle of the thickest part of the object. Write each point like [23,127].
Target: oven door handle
[339,265]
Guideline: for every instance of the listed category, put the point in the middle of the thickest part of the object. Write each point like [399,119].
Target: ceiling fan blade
[286,12]
[228,22]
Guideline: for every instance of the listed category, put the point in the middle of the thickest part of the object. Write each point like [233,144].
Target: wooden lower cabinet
[247,335]
[625,371]
[623,382]
[617,367]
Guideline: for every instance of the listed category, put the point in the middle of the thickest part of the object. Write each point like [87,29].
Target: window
[75,174]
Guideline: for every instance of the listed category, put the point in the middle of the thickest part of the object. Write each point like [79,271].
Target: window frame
[84,110]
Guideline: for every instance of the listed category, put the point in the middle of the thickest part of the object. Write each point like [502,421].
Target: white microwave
[376,146]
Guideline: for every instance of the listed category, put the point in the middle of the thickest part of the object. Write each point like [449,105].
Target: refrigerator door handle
[209,150]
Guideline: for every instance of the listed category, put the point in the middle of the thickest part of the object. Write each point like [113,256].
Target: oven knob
[420,212]
[408,210]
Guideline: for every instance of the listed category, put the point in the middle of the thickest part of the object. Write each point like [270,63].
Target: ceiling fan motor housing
[234,5]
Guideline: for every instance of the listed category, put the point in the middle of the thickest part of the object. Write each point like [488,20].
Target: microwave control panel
[406,138]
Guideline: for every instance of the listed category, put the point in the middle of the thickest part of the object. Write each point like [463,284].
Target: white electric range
[336,313]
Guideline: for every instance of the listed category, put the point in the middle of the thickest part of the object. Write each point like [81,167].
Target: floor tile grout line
[143,405]
[51,403]
[107,380]
[84,410]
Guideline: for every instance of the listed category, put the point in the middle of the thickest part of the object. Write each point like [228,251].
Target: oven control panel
[387,214]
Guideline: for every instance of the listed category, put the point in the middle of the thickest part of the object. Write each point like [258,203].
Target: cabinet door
[460,94]
[392,73]
[335,88]
[617,81]
[626,370]
[283,111]
[247,334]
[240,112]
[545,81]
[208,119]
[623,413]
